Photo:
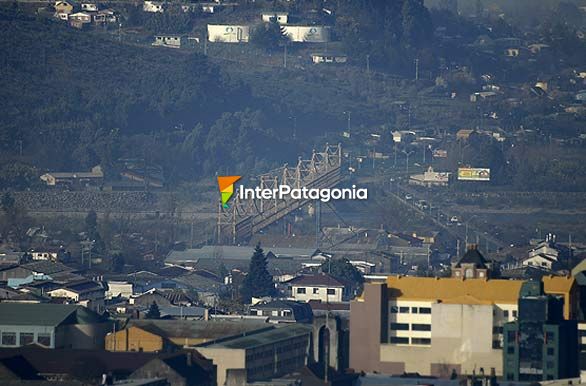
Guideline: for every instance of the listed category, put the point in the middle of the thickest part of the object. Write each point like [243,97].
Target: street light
[349,114]
[407,154]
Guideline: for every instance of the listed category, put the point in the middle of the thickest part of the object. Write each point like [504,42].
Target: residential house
[307,33]
[63,6]
[123,289]
[171,41]
[87,293]
[105,16]
[154,6]
[72,179]
[279,17]
[430,178]
[472,265]
[57,271]
[322,287]
[89,7]
[51,326]
[328,57]
[181,369]
[464,134]
[283,311]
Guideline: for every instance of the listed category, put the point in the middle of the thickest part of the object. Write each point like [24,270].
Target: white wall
[317,293]
[225,33]
[308,33]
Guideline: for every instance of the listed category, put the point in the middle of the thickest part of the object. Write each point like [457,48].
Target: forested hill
[74,99]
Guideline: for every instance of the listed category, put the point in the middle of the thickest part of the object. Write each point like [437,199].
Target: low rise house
[63,6]
[87,293]
[308,33]
[171,41]
[72,179]
[279,17]
[153,6]
[317,287]
[324,57]
[89,7]
[119,288]
[283,311]
[51,326]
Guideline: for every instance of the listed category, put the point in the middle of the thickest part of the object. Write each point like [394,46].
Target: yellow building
[434,326]
[164,335]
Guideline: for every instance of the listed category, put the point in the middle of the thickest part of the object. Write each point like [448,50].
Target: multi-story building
[317,287]
[262,355]
[435,326]
[540,345]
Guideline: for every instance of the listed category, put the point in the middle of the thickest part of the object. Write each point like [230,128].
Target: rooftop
[320,280]
[468,291]
[208,329]
[40,314]
[473,256]
[271,336]
[230,252]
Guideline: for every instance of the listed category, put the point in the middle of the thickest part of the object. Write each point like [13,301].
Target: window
[399,340]
[275,312]
[286,312]
[403,310]
[400,326]
[421,327]
[394,309]
[511,336]
[421,341]
[26,338]
[496,344]
[424,310]
[413,310]
[549,336]
[316,290]
[506,313]
[497,329]
[331,291]
[514,313]
[301,290]
[44,339]
[549,365]
[510,377]
[550,351]
[510,350]
[8,339]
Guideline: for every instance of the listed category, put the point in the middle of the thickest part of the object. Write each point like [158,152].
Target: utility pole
[416,69]
[285,56]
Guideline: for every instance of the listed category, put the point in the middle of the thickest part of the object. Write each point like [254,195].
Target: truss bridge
[246,217]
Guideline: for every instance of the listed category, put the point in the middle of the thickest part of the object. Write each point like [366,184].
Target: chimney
[206,314]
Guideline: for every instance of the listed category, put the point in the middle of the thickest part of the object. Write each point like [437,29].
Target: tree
[259,281]
[342,270]
[269,36]
[153,312]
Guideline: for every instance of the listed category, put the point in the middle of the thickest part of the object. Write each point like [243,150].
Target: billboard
[440,153]
[473,174]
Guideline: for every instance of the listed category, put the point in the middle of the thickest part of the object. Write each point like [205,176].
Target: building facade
[435,326]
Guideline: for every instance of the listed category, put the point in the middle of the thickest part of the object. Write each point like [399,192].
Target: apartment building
[435,326]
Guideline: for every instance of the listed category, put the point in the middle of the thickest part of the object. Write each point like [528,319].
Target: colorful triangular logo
[226,185]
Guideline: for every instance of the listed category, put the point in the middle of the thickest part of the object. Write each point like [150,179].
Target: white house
[172,41]
[89,7]
[153,6]
[323,57]
[44,255]
[226,33]
[321,287]
[81,17]
[279,17]
[87,293]
[119,288]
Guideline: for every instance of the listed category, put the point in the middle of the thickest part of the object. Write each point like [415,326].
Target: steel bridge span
[246,217]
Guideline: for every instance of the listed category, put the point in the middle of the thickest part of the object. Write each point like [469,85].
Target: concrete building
[119,288]
[261,356]
[283,311]
[434,326]
[317,287]
[171,41]
[51,326]
[540,345]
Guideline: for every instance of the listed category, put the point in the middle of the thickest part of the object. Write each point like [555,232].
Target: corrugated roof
[272,336]
[209,329]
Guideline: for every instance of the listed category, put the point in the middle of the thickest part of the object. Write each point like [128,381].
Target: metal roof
[230,252]
[52,315]
[272,336]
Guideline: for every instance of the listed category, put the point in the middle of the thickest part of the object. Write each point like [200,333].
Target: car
[408,197]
